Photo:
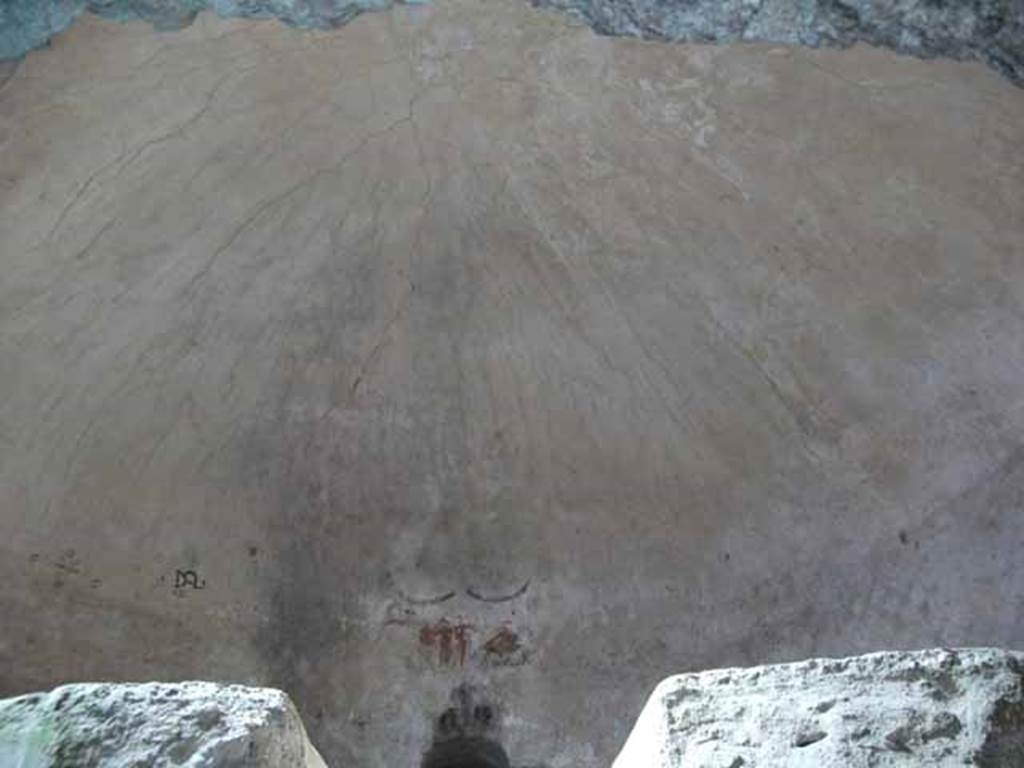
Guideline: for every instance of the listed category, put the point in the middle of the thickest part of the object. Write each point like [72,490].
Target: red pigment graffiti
[504,643]
[451,640]
[505,648]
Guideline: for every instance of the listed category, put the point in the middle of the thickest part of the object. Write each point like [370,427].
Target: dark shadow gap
[466,753]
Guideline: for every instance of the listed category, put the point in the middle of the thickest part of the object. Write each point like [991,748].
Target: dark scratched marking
[188,579]
[498,598]
[426,600]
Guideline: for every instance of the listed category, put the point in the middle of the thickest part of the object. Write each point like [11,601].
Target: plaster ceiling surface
[463,354]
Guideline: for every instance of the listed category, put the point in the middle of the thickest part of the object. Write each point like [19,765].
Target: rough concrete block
[186,725]
[925,708]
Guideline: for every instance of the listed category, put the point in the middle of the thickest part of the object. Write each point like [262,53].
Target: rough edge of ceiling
[988,30]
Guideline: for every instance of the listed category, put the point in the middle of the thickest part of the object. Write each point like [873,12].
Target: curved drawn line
[500,598]
[426,600]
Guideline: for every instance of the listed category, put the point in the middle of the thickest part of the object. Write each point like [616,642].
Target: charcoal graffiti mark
[407,617]
[451,640]
[426,600]
[498,598]
[188,579]
[68,562]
